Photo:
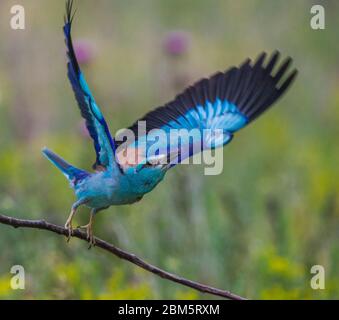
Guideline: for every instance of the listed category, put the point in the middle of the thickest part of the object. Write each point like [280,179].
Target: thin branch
[44,225]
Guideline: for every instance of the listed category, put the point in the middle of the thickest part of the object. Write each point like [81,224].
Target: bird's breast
[103,190]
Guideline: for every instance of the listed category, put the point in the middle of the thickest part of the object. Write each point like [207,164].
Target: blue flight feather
[95,122]
[226,101]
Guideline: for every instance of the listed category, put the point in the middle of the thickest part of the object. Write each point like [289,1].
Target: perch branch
[44,225]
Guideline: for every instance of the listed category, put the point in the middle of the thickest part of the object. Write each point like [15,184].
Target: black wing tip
[273,60]
[289,80]
[69,16]
[282,78]
[267,84]
[260,60]
[70,12]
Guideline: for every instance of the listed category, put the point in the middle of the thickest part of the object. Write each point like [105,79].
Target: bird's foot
[69,228]
[91,241]
[68,224]
[89,232]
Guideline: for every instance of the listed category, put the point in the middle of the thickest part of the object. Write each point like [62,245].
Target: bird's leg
[68,224]
[89,229]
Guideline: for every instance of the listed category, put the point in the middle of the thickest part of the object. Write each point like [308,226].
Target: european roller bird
[124,172]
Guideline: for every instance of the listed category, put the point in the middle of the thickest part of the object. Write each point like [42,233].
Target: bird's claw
[68,224]
[90,236]
[92,242]
[69,228]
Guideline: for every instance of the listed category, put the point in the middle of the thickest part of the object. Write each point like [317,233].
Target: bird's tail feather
[72,173]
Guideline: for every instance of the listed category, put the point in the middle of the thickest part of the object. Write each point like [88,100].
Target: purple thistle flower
[84,51]
[176,43]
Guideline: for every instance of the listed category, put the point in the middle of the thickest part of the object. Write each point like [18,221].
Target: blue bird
[125,169]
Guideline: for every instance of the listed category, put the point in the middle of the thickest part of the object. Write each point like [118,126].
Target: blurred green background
[256,229]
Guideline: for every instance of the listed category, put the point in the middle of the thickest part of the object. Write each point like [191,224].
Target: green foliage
[256,229]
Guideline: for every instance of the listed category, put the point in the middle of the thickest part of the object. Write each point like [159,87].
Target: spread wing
[214,109]
[90,111]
